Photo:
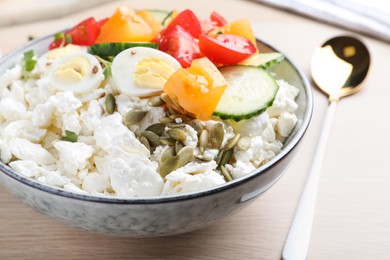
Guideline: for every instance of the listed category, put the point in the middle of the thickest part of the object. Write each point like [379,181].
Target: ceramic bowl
[159,216]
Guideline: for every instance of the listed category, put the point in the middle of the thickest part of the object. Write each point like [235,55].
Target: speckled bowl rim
[172,198]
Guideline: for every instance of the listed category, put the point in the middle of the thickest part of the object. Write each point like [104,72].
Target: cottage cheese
[108,158]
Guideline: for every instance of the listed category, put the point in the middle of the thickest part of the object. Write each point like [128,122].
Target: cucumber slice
[114,48]
[264,60]
[249,92]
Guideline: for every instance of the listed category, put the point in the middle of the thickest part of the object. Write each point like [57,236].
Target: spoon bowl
[339,67]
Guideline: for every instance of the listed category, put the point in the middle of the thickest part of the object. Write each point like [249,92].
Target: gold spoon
[338,68]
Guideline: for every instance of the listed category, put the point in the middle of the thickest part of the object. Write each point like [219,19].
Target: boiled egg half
[47,60]
[79,72]
[142,71]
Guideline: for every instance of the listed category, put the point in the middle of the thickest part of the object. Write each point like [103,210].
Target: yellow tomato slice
[125,26]
[197,89]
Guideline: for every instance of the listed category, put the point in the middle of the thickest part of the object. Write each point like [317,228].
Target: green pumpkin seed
[167,141]
[176,125]
[157,128]
[168,153]
[168,166]
[166,98]
[227,156]
[145,142]
[178,146]
[186,154]
[133,116]
[203,140]
[177,134]
[197,125]
[219,157]
[244,143]
[166,120]
[232,142]
[110,103]
[203,158]
[216,136]
[153,138]
[226,174]
[155,101]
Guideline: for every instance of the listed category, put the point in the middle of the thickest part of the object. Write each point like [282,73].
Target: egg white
[89,82]
[124,66]
[47,60]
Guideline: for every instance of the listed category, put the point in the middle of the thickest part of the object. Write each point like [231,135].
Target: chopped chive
[166,17]
[70,136]
[31,37]
[68,38]
[107,71]
[30,65]
[58,36]
[218,33]
[28,55]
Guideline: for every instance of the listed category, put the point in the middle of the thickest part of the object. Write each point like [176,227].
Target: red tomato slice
[101,22]
[180,44]
[218,19]
[84,33]
[188,21]
[226,49]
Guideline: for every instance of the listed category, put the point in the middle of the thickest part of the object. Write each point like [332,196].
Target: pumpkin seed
[216,136]
[155,101]
[186,154]
[167,141]
[110,103]
[176,125]
[203,158]
[219,157]
[145,142]
[178,146]
[165,120]
[177,134]
[244,143]
[133,116]
[168,153]
[226,174]
[153,138]
[203,140]
[232,142]
[197,125]
[157,128]
[227,156]
[168,166]
[166,98]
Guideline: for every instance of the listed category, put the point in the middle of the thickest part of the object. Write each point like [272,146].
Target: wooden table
[352,219]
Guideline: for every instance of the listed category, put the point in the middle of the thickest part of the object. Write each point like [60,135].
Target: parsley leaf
[70,136]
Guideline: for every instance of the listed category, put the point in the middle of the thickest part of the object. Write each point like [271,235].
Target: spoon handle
[297,243]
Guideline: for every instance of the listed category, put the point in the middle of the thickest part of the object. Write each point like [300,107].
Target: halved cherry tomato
[188,21]
[241,28]
[197,89]
[180,44]
[226,49]
[84,33]
[218,19]
[125,26]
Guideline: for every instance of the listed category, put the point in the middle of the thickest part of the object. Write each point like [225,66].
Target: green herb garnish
[169,15]
[70,136]
[58,36]
[28,63]
[68,39]
[106,65]
[31,37]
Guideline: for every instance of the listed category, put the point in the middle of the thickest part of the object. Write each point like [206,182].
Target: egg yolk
[73,71]
[152,73]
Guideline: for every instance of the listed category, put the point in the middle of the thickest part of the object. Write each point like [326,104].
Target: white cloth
[24,11]
[370,17]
